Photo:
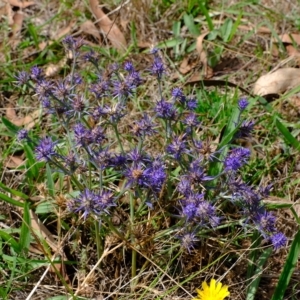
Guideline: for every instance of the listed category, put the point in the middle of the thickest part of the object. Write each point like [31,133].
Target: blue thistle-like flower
[177,93]
[191,104]
[36,73]
[45,150]
[178,147]
[184,186]
[135,175]
[265,222]
[188,240]
[89,202]
[145,126]
[82,135]
[128,66]
[44,89]
[191,120]
[72,44]
[236,159]
[157,69]
[165,110]
[22,135]
[278,240]
[245,130]
[22,78]
[242,104]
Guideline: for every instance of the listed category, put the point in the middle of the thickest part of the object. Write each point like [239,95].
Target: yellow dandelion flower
[215,291]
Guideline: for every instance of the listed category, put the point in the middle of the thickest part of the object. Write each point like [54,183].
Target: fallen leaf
[185,67]
[28,121]
[42,232]
[89,27]
[290,38]
[277,82]
[18,18]
[14,162]
[21,4]
[208,72]
[110,29]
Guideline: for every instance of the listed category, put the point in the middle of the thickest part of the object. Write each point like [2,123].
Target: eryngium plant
[126,146]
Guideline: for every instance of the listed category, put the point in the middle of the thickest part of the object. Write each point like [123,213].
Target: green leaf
[226,29]
[50,182]
[170,43]
[288,269]
[257,273]
[25,228]
[11,200]
[10,240]
[10,126]
[190,24]
[13,192]
[32,171]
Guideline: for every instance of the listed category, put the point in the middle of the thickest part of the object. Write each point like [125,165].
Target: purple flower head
[89,202]
[134,79]
[278,240]
[73,79]
[22,78]
[97,135]
[184,186]
[22,135]
[191,104]
[77,105]
[265,222]
[191,120]
[178,147]
[245,130]
[72,44]
[143,127]
[236,159]
[44,88]
[61,90]
[165,110]
[45,150]
[101,88]
[189,211]
[243,103]
[136,156]
[92,57]
[158,69]
[197,173]
[135,175]
[205,211]
[188,241]
[103,158]
[117,161]
[105,200]
[177,93]
[36,74]
[123,88]
[155,176]
[128,66]
[82,135]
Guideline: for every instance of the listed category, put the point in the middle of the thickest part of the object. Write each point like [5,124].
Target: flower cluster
[157,155]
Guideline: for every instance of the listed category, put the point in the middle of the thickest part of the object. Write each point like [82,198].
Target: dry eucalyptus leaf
[89,27]
[277,82]
[108,27]
[208,72]
[290,38]
[21,4]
